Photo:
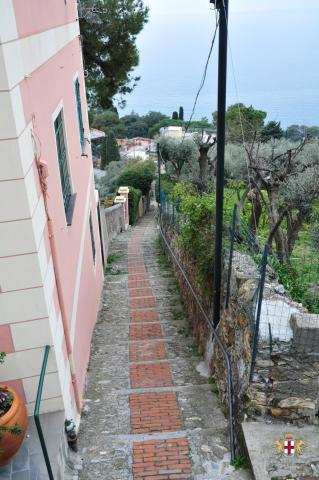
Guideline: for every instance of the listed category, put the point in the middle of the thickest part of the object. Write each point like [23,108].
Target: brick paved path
[148,413]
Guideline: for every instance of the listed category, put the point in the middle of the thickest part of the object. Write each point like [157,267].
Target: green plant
[185,332]
[134,197]
[138,175]
[6,400]
[111,258]
[240,461]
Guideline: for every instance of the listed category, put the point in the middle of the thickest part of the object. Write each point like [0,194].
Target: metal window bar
[79,110]
[37,412]
[63,163]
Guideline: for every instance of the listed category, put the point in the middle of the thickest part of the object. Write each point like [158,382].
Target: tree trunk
[276,232]
[203,160]
[256,211]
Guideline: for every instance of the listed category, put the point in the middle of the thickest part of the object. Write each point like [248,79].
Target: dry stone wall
[285,382]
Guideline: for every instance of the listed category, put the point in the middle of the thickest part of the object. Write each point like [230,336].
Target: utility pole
[222,6]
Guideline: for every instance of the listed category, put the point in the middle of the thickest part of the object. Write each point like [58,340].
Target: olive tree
[283,181]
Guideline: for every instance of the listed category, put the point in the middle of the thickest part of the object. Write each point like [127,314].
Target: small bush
[197,229]
[133,201]
[139,175]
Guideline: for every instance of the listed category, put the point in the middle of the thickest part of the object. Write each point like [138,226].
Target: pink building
[51,270]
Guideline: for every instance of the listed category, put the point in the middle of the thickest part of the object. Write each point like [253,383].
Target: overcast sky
[274,45]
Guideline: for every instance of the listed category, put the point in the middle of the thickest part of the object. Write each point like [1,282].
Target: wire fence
[283,312]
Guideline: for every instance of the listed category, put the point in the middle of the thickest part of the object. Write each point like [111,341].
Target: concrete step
[264,447]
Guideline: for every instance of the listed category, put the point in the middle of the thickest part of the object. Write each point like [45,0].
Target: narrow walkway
[149,414]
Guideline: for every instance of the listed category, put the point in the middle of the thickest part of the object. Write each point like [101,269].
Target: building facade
[51,271]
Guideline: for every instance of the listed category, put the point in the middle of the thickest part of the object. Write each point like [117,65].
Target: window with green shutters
[63,161]
[79,109]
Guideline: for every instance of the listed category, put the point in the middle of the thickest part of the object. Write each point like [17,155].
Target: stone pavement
[148,414]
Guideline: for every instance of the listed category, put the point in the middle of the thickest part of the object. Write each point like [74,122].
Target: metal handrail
[218,340]
[37,412]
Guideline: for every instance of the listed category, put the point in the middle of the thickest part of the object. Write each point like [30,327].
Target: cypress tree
[175,116]
[112,149]
[181,113]
[103,154]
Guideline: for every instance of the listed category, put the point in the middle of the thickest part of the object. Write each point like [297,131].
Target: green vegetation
[138,175]
[240,461]
[134,197]
[108,30]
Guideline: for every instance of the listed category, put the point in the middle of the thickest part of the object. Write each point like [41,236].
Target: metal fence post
[231,253]
[37,412]
[258,312]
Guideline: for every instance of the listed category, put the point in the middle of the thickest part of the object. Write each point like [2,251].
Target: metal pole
[231,254]
[222,5]
[259,303]
[159,178]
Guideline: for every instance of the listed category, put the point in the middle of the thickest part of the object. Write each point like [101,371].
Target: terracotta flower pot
[16,415]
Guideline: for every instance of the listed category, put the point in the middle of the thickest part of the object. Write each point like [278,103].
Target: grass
[177,314]
[240,461]
[185,332]
[214,387]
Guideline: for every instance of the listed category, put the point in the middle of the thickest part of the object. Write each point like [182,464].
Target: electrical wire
[203,77]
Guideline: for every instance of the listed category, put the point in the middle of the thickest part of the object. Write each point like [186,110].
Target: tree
[294,133]
[112,149]
[181,113]
[135,125]
[138,175]
[271,130]
[176,154]
[283,180]
[103,154]
[108,120]
[242,123]
[175,116]
[109,29]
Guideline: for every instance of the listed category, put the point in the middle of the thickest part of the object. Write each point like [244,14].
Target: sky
[273,58]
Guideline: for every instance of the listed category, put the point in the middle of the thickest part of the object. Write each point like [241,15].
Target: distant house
[138,147]
[180,133]
[51,271]
[173,132]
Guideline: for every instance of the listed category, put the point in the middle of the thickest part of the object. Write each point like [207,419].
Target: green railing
[37,412]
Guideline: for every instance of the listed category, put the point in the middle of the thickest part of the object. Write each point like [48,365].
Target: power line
[203,77]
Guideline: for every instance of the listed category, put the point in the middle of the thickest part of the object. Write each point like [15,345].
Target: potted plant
[13,421]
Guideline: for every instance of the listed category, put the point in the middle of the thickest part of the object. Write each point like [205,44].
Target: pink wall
[41,95]
[34,16]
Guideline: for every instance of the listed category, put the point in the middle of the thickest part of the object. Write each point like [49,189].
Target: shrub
[197,230]
[139,175]
[134,197]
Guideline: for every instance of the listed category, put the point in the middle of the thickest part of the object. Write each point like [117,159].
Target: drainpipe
[43,174]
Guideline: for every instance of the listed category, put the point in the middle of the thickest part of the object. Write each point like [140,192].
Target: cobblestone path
[148,414]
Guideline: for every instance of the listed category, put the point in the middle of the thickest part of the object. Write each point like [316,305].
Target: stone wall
[285,382]
[113,223]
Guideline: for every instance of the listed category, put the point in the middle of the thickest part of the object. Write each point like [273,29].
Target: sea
[273,59]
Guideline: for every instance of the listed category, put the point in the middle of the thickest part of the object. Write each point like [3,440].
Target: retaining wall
[285,383]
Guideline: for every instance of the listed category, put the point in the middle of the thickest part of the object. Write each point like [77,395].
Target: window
[79,109]
[68,198]
[92,236]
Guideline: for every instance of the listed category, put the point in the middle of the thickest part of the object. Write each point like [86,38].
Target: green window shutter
[79,109]
[63,162]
